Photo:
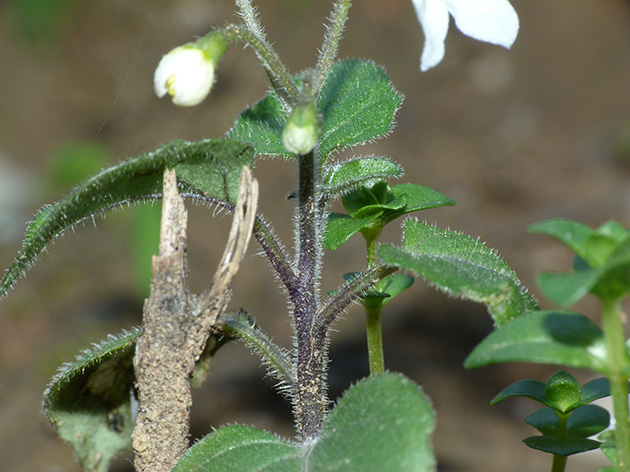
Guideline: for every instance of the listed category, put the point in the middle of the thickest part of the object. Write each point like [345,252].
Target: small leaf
[534,389]
[358,104]
[546,337]
[383,423]
[462,266]
[587,421]
[594,390]
[262,126]
[560,447]
[571,233]
[346,176]
[340,228]
[209,169]
[562,392]
[89,401]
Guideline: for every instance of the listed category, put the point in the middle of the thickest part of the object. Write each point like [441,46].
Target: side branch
[351,292]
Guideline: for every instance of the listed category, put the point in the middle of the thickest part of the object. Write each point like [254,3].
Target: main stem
[618,377]
[310,402]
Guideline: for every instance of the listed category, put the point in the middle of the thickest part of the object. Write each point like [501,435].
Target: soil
[518,136]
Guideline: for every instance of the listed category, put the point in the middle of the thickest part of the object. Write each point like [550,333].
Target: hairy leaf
[358,104]
[462,266]
[89,401]
[346,176]
[546,337]
[209,169]
[261,126]
[383,423]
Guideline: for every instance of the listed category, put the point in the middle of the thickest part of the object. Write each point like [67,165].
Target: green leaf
[382,423]
[262,126]
[358,104]
[562,392]
[561,447]
[546,337]
[89,401]
[571,233]
[241,449]
[344,177]
[462,266]
[534,389]
[583,422]
[594,390]
[340,228]
[209,169]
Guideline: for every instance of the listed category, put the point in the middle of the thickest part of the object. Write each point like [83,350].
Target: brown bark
[177,325]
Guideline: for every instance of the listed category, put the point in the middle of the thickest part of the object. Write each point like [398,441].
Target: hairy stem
[250,17]
[618,377]
[330,48]
[310,402]
[282,81]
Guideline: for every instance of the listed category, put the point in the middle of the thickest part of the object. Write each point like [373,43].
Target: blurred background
[514,136]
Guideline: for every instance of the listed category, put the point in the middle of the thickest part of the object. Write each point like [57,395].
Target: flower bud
[301,130]
[187,72]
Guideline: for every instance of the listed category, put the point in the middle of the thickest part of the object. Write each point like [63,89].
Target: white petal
[433,17]
[492,21]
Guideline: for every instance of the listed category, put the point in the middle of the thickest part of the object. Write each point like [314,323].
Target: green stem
[330,48]
[375,338]
[281,80]
[618,377]
[559,463]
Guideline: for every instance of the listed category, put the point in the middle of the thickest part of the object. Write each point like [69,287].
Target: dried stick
[177,325]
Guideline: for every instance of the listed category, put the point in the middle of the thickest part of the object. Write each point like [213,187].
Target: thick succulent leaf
[560,447]
[346,176]
[462,266]
[358,104]
[382,423]
[89,401]
[208,168]
[545,337]
[261,126]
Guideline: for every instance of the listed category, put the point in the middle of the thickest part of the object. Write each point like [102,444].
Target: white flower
[186,73]
[492,21]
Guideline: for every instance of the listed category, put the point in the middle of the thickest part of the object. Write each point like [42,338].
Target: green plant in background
[601,267]
[133,390]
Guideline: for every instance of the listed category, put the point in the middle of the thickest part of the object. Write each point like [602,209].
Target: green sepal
[89,401]
[208,169]
[358,104]
[461,266]
[560,447]
[545,337]
[380,424]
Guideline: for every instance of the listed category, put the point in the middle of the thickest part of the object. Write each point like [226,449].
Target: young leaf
[262,127]
[89,401]
[560,447]
[209,169]
[340,228]
[358,104]
[343,177]
[462,266]
[383,423]
[546,337]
